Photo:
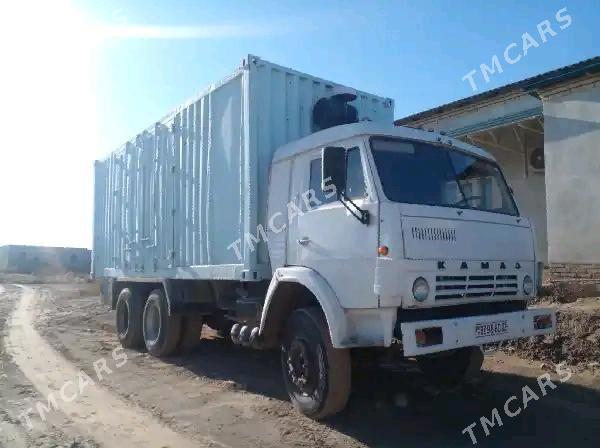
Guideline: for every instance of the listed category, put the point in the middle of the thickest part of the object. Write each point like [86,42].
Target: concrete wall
[44,260]
[572,152]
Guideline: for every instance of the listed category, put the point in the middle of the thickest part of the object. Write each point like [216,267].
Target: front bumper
[474,330]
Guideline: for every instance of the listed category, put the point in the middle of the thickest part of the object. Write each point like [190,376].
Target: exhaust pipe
[235,333]
[255,339]
[246,335]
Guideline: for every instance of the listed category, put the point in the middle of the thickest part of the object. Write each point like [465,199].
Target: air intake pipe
[334,111]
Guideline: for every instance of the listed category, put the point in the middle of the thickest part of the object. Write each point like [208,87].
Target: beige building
[544,131]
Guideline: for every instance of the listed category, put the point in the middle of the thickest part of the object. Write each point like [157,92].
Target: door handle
[304,241]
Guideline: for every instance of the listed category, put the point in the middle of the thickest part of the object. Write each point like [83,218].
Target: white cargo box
[170,202]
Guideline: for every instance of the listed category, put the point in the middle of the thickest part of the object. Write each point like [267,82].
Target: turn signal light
[383,250]
[421,338]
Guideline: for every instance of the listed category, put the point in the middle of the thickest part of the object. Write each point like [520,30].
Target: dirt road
[59,344]
[94,411]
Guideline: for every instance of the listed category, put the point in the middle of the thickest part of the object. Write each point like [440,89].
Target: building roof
[529,85]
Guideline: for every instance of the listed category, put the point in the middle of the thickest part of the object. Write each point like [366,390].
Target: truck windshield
[423,173]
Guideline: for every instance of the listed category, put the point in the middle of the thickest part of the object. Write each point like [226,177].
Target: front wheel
[317,376]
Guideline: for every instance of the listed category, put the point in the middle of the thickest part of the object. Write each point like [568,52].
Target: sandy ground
[226,396]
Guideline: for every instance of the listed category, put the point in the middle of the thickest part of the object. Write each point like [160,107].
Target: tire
[191,328]
[316,375]
[129,311]
[450,369]
[162,332]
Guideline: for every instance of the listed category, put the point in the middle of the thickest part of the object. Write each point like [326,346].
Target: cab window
[315,181]
[355,180]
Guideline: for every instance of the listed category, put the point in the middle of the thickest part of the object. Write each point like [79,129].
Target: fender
[182,297]
[318,286]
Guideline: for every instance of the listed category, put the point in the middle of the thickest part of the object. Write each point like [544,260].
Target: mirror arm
[362,215]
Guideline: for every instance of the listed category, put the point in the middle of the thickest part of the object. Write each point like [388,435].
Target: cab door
[325,234]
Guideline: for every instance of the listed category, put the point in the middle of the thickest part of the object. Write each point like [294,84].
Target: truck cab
[411,238]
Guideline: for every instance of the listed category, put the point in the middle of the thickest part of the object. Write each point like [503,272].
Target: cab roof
[346,131]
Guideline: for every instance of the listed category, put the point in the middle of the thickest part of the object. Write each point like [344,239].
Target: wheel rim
[123,318]
[302,368]
[152,323]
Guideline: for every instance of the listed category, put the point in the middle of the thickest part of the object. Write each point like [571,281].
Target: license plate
[486,329]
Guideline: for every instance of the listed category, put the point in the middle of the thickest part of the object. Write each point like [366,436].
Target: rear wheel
[162,332]
[129,312]
[452,368]
[317,376]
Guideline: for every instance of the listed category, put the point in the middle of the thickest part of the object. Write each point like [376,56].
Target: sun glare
[48,111]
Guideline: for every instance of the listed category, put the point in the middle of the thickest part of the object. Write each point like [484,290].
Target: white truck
[288,212]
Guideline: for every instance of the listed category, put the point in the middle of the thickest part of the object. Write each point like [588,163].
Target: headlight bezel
[528,285]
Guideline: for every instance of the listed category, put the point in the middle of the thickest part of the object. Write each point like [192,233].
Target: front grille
[472,286]
[434,233]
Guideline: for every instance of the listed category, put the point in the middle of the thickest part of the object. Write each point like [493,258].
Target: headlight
[527,285]
[420,289]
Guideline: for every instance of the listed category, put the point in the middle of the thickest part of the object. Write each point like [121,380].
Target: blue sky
[414,52]
[93,93]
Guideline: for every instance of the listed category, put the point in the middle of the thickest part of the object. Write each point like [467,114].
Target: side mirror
[334,168]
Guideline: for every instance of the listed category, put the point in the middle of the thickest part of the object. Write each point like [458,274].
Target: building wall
[529,190]
[572,152]
[574,273]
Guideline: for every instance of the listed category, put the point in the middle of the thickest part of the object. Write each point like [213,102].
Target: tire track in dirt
[95,411]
